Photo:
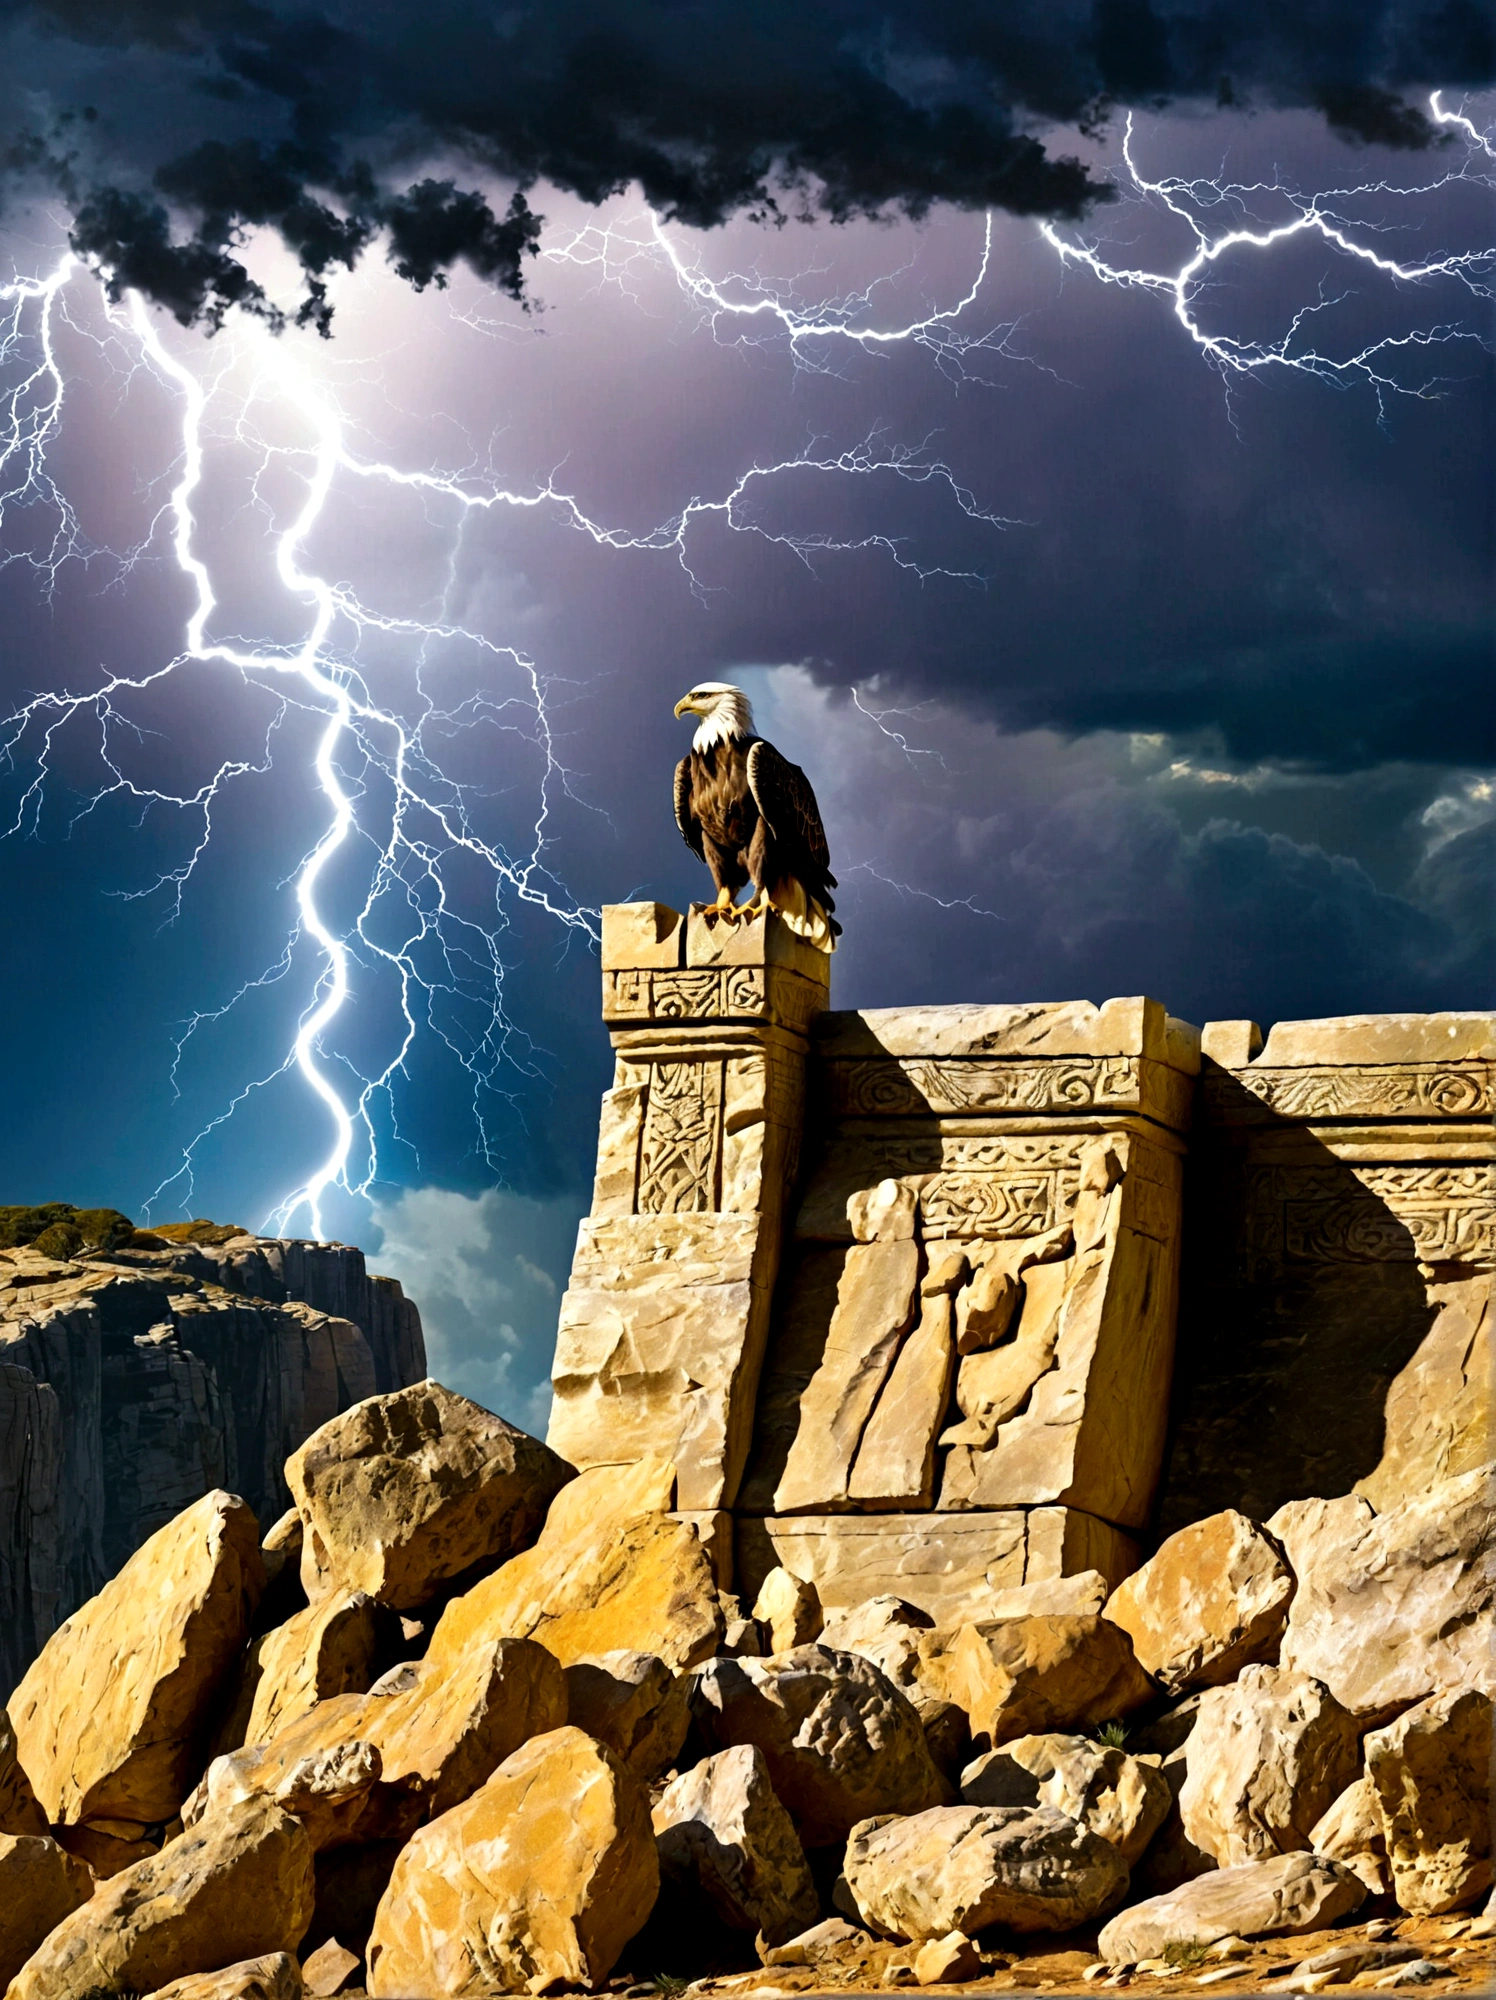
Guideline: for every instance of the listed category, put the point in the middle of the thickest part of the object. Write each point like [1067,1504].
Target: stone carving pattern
[884,1087]
[1426,1214]
[993,1205]
[678,1157]
[1363,1091]
[710,993]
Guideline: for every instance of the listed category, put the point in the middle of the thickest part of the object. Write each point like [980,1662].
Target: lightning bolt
[1323,216]
[428,822]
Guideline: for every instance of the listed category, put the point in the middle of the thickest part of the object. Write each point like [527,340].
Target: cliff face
[132,1381]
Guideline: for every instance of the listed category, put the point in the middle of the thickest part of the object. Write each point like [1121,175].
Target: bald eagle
[751,816]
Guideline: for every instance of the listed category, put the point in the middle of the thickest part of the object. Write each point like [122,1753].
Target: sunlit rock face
[139,1374]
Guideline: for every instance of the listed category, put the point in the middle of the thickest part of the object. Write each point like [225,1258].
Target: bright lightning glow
[1323,216]
[428,822]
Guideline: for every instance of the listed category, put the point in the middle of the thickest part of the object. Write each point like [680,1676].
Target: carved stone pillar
[663,1325]
[1335,1330]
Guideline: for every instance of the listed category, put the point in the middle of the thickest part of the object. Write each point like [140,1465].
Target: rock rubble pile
[467,1722]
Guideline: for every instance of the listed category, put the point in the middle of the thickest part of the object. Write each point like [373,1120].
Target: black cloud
[311,120]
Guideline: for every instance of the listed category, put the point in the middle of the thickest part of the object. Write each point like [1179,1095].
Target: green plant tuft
[668,1986]
[1185,1953]
[58,1229]
[1112,1734]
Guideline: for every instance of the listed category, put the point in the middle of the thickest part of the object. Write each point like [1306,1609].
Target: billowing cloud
[487,1272]
[173,128]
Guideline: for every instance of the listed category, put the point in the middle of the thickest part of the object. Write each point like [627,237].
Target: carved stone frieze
[1356,1214]
[1354,1090]
[712,993]
[912,1086]
[679,1152]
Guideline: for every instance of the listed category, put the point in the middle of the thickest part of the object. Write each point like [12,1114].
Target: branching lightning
[1325,216]
[383,794]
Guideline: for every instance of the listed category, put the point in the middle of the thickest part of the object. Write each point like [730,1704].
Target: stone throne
[895,1291]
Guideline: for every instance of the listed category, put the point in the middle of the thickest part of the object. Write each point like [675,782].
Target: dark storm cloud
[301,119]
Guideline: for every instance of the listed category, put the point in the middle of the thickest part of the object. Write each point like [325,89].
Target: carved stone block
[1343,1235]
[951,1565]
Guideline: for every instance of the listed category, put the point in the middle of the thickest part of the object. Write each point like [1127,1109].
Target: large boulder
[963,1868]
[1390,1608]
[1211,1600]
[723,1834]
[789,1609]
[1431,1771]
[1112,1794]
[237,1886]
[884,1630]
[326,1789]
[40,1884]
[841,1741]
[1029,1676]
[111,1716]
[611,1569]
[275,1975]
[435,1741]
[1268,1756]
[539,1879]
[324,1649]
[1352,1832]
[634,1704]
[1286,1895]
[19,1811]
[405,1491]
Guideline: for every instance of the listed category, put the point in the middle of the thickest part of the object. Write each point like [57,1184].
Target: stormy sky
[1115,671]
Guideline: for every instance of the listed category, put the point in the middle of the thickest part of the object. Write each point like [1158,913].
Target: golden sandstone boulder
[274,1976]
[841,1741]
[963,1868]
[427,1747]
[634,1704]
[1431,1771]
[1351,1831]
[111,1714]
[19,1811]
[235,1887]
[1027,1676]
[540,1877]
[1392,1607]
[723,1835]
[1211,1600]
[1277,1897]
[1115,1795]
[1267,1757]
[324,1649]
[39,1886]
[611,1569]
[404,1491]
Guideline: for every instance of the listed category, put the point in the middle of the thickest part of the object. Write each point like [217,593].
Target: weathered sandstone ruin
[948,1565]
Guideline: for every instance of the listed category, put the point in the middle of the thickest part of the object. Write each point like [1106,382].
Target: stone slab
[765,940]
[1381,1038]
[950,1565]
[637,934]
[1131,1027]
[658,1346]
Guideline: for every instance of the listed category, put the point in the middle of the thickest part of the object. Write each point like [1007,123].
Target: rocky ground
[465,1722]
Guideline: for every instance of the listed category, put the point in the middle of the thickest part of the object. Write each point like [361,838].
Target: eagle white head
[725,712]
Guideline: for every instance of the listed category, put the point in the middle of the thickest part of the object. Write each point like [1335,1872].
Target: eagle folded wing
[783,795]
[685,819]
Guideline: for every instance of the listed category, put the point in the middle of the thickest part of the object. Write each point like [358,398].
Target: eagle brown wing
[783,795]
[685,819]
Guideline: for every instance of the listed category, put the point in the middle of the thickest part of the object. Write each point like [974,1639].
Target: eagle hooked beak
[685,706]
